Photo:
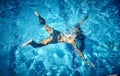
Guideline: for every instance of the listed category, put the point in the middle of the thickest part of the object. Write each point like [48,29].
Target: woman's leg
[81,54]
[77,27]
[81,21]
[78,51]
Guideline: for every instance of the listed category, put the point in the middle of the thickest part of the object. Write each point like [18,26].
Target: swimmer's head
[49,29]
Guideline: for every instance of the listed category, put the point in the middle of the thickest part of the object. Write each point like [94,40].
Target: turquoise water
[19,24]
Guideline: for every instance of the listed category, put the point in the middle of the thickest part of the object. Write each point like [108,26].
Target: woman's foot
[90,63]
[26,43]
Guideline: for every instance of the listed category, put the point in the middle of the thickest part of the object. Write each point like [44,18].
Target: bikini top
[55,35]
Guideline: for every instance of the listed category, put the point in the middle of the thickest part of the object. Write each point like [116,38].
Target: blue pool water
[19,24]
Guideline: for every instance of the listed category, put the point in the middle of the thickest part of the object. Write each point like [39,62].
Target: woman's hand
[36,13]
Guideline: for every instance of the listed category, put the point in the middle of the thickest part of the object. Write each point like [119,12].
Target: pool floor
[101,44]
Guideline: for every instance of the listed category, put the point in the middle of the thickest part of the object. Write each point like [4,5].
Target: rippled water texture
[19,24]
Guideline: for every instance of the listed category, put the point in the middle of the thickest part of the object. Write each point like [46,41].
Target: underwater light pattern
[101,32]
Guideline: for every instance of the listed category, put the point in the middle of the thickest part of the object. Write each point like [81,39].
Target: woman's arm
[41,20]
[46,41]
